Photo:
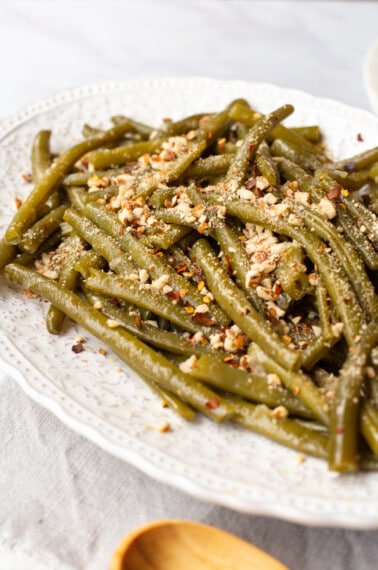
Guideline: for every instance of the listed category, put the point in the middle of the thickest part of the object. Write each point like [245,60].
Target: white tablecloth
[64,503]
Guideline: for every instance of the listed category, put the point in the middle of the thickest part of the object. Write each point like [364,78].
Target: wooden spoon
[186,545]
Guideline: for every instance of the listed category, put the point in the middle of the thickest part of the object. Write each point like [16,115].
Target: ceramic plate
[100,397]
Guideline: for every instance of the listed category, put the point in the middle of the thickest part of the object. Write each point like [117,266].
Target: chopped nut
[112,324]
[280,413]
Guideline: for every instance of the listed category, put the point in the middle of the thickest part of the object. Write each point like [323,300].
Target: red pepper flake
[340,430]
[115,302]
[212,404]
[174,295]
[77,348]
[335,192]
[359,137]
[138,321]
[181,267]
[251,147]
[27,177]
[167,120]
[121,231]
[277,288]
[18,203]
[240,341]
[209,134]
[203,319]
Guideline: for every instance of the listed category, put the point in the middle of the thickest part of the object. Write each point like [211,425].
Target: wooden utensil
[186,545]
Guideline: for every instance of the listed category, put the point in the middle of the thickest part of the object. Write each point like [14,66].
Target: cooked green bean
[292,272]
[146,297]
[266,164]
[134,352]
[68,279]
[254,386]
[27,214]
[7,253]
[312,133]
[147,331]
[41,230]
[143,258]
[123,154]
[343,450]
[238,167]
[296,154]
[357,162]
[260,419]
[298,383]
[104,244]
[250,118]
[41,155]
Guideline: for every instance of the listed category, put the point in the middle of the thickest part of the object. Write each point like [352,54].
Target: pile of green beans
[225,258]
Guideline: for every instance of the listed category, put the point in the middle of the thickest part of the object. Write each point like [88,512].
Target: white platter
[98,396]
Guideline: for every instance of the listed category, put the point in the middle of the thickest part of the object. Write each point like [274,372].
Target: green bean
[373,172]
[176,128]
[266,164]
[7,253]
[352,181]
[360,242]
[88,260]
[238,167]
[369,424]
[41,155]
[145,331]
[104,244]
[343,451]
[148,298]
[347,256]
[295,173]
[236,306]
[135,353]
[253,385]
[88,131]
[27,214]
[164,239]
[236,255]
[292,272]
[298,383]
[123,154]
[290,433]
[145,259]
[48,245]
[68,279]
[311,133]
[41,230]
[295,154]
[250,118]
[161,195]
[145,131]
[357,162]
[208,167]
[82,178]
